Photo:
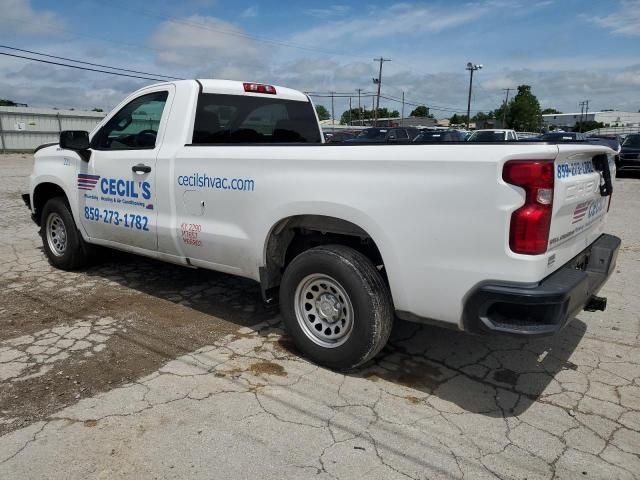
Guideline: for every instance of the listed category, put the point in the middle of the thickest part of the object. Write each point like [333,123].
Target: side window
[252,119]
[135,126]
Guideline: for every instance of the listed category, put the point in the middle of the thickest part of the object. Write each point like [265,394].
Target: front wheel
[61,240]
[336,306]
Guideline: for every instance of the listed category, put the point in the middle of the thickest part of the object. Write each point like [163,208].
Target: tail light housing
[530,224]
[259,88]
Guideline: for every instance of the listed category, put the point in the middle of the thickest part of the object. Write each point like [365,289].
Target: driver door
[117,188]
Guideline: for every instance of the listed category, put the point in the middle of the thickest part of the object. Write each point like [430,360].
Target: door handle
[140,168]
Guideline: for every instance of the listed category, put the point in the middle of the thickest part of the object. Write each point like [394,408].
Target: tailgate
[579,209]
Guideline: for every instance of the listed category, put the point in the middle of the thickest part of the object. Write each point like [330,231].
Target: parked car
[386,134]
[434,136]
[630,153]
[340,137]
[562,137]
[234,177]
[493,135]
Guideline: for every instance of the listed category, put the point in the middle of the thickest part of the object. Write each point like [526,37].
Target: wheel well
[294,235]
[43,193]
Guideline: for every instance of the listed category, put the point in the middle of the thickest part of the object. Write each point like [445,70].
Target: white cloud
[250,12]
[626,21]
[17,17]
[398,19]
[204,45]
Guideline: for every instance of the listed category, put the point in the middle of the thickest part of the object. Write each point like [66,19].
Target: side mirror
[77,140]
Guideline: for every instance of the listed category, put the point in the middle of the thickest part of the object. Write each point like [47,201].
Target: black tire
[367,292]
[76,253]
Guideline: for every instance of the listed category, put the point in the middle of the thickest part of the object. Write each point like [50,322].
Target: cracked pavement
[133,368]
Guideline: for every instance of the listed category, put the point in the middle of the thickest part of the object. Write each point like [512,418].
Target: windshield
[632,141]
[560,136]
[373,133]
[487,136]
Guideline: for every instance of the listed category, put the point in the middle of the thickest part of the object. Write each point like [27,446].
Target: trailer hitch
[596,303]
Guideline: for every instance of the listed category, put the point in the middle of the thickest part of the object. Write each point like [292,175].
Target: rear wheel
[61,240]
[336,306]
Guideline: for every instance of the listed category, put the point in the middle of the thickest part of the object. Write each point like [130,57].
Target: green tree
[421,111]
[367,114]
[458,119]
[7,103]
[97,110]
[550,111]
[345,117]
[323,113]
[524,112]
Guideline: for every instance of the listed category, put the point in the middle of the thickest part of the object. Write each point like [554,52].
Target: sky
[567,50]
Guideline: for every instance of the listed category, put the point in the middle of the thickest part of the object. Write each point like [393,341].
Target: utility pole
[504,110]
[402,114]
[472,67]
[359,106]
[333,118]
[349,110]
[378,81]
[373,108]
[586,111]
[582,104]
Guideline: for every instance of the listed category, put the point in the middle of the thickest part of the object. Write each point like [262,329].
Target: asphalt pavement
[137,369]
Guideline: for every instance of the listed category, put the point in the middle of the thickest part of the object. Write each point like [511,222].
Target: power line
[79,67]
[89,63]
[73,34]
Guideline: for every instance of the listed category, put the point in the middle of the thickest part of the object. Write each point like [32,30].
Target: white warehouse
[24,128]
[610,118]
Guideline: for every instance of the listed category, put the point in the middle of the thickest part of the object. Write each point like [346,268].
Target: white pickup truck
[489,238]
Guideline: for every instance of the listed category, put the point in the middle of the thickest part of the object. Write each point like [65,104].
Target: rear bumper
[546,307]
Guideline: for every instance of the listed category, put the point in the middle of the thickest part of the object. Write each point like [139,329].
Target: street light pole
[333,118]
[378,81]
[359,107]
[472,68]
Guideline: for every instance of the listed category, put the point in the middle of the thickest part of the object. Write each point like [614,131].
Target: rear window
[250,119]
[487,136]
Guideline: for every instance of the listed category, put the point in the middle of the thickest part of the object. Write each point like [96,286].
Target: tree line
[356,114]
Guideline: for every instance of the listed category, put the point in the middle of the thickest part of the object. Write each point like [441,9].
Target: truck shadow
[493,376]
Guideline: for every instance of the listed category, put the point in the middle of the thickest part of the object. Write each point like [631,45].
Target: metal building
[610,118]
[24,128]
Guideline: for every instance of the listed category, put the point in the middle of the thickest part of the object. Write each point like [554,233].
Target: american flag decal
[580,212]
[86,181]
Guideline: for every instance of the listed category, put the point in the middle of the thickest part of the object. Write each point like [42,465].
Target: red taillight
[259,88]
[530,224]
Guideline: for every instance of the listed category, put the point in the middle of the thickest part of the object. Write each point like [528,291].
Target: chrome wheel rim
[56,234]
[324,310]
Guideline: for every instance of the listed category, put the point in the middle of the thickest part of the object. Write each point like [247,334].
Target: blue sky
[567,50]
